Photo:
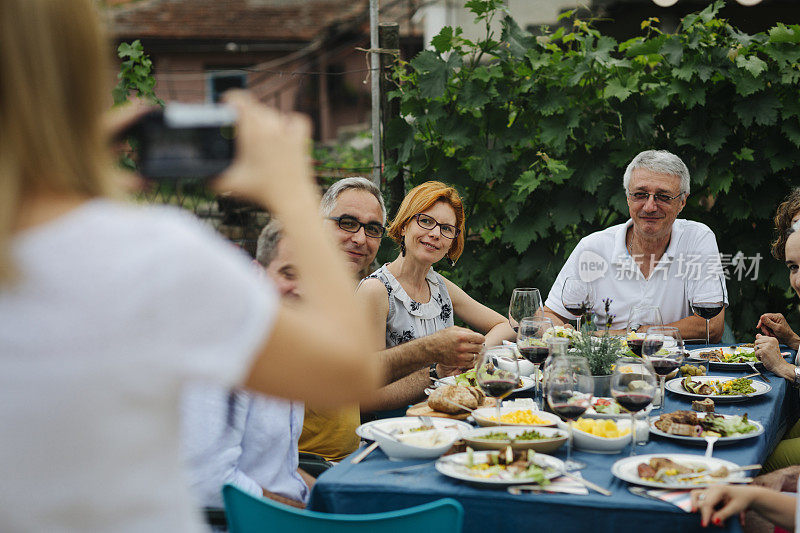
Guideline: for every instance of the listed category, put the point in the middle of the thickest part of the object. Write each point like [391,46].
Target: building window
[221,81]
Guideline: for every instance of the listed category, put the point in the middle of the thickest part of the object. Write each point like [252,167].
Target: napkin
[679,498]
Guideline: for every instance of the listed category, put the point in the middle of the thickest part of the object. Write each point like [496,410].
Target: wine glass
[495,381]
[709,300]
[556,346]
[577,296]
[641,315]
[530,343]
[525,302]
[633,385]
[663,345]
[569,393]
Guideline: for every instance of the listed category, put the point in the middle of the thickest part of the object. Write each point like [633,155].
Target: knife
[753,367]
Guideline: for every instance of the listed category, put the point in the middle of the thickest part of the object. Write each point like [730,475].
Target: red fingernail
[717,521]
[703,523]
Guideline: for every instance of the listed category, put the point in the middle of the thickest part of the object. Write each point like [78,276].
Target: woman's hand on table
[775,325]
[768,352]
[717,504]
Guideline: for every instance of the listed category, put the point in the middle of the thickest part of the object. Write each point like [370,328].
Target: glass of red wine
[577,296]
[531,345]
[525,302]
[633,385]
[663,345]
[495,381]
[642,317]
[709,299]
[569,394]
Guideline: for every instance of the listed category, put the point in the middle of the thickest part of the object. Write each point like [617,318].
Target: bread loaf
[441,398]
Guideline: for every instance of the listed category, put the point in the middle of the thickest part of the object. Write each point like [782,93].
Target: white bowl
[526,368]
[592,443]
[392,436]
[483,414]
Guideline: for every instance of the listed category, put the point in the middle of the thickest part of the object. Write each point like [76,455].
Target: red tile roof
[273,20]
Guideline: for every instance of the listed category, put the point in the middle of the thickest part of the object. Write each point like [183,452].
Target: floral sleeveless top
[409,319]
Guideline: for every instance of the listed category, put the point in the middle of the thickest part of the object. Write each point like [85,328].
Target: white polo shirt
[603,259]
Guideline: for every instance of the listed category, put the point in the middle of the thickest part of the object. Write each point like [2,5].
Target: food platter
[554,438]
[627,469]
[700,440]
[455,466]
[483,416]
[676,386]
[693,356]
[527,383]
[592,413]
[405,423]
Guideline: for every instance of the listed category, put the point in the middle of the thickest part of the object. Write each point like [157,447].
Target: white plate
[483,414]
[408,422]
[527,383]
[591,413]
[627,469]
[700,440]
[693,356]
[674,385]
[449,466]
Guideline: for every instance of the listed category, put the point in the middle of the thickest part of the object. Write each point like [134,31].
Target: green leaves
[135,74]
[537,138]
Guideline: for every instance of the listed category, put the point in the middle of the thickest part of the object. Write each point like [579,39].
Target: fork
[753,367]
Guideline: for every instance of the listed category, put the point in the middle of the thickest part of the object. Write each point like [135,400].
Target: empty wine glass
[526,301]
[495,381]
[709,299]
[531,345]
[641,315]
[577,296]
[633,385]
[569,393]
[663,345]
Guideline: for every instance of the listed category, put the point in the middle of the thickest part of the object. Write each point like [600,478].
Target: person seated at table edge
[415,305]
[767,350]
[775,324]
[247,439]
[356,213]
[648,251]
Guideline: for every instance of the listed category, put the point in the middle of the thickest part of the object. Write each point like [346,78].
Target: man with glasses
[654,258]
[356,214]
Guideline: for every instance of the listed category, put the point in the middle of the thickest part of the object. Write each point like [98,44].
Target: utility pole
[376,97]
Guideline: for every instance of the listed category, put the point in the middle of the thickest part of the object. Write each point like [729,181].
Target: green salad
[726,426]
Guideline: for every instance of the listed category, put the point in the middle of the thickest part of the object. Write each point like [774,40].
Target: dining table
[374,484]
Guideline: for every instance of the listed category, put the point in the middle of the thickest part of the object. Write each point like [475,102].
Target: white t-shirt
[118,306]
[603,259]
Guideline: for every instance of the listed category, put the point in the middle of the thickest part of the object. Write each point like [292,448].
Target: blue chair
[251,514]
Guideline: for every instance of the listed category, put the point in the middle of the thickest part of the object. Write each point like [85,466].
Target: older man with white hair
[654,257]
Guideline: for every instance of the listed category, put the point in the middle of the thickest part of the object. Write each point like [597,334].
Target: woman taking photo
[409,300]
[108,309]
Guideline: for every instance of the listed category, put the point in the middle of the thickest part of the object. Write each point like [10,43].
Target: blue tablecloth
[362,488]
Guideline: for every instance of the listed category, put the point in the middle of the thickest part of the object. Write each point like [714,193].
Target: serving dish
[627,469]
[399,440]
[527,383]
[700,440]
[455,466]
[694,356]
[592,443]
[483,416]
[676,386]
[555,438]
[591,412]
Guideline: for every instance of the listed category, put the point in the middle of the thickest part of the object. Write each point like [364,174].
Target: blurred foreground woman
[107,309]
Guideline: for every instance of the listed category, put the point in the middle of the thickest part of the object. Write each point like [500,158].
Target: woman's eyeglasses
[448,231]
[352,225]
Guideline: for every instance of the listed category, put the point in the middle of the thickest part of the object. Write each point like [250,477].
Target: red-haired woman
[409,300]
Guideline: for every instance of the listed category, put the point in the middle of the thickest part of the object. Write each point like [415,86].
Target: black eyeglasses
[352,225]
[660,198]
[428,222]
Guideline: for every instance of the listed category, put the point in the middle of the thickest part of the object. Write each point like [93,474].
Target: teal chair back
[250,514]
